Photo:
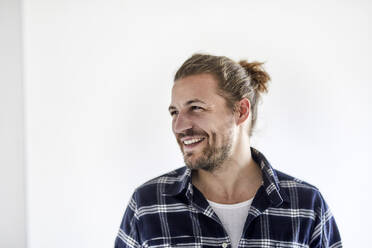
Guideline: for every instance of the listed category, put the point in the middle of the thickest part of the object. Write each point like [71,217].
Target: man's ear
[242,110]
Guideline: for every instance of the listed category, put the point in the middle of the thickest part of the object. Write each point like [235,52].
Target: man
[228,194]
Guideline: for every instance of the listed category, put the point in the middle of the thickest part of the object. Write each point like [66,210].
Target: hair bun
[259,77]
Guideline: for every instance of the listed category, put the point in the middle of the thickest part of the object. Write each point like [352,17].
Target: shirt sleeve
[325,233]
[128,232]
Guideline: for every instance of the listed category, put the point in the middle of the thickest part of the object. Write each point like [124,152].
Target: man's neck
[237,180]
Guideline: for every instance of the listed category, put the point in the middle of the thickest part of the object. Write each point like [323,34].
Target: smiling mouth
[191,143]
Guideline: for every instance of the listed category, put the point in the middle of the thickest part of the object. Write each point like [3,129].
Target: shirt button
[224,245]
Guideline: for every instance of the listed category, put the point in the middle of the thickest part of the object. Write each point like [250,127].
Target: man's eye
[196,108]
[173,113]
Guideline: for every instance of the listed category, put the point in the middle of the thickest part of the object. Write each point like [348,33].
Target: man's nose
[181,123]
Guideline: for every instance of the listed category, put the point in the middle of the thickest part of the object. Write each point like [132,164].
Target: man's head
[214,99]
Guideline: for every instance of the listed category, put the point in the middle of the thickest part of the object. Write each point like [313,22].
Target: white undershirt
[233,218]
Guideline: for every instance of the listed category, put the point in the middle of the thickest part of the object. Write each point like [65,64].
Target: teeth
[192,141]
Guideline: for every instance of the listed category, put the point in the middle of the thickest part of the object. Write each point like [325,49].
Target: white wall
[12,185]
[98,76]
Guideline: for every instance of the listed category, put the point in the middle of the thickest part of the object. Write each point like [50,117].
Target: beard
[211,157]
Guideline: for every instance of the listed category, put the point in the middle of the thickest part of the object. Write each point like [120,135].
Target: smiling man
[228,194]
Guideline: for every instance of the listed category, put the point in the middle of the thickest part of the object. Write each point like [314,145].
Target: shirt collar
[182,183]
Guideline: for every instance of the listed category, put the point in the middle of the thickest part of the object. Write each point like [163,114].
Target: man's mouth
[191,143]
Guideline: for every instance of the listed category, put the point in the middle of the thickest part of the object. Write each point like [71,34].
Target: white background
[97,77]
[12,176]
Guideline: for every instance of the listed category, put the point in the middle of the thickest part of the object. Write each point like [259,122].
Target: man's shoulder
[288,181]
[155,188]
[166,178]
[299,192]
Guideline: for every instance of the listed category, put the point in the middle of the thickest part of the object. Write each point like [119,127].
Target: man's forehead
[189,92]
[197,87]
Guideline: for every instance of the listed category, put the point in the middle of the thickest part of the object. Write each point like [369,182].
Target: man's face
[201,122]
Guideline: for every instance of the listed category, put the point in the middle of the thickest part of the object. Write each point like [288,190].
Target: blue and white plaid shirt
[168,211]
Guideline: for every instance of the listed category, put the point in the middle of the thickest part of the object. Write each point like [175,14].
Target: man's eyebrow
[171,107]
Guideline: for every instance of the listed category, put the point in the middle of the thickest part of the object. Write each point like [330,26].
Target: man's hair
[235,80]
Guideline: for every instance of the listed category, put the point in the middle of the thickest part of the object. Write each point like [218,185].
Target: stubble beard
[211,157]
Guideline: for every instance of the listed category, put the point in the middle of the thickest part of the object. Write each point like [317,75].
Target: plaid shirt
[168,211]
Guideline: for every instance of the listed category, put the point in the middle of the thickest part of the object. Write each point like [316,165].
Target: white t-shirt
[233,217]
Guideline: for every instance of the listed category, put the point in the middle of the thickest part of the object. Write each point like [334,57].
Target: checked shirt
[169,211]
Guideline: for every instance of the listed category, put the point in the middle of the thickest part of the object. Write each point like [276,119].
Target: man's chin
[191,162]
